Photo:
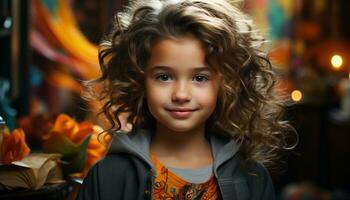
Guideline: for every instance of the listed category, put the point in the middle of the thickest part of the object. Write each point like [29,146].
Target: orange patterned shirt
[168,186]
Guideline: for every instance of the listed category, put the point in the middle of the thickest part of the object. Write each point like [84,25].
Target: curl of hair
[248,107]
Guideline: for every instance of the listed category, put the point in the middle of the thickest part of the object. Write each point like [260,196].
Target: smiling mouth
[181,113]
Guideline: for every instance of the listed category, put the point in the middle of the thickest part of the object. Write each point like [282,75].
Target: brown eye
[163,77]
[200,78]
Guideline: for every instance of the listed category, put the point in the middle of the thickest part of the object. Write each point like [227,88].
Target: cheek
[150,96]
[208,98]
[154,97]
[211,100]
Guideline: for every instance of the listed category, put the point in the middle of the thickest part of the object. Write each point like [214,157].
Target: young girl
[198,94]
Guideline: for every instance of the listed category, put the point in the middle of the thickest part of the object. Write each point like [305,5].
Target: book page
[30,172]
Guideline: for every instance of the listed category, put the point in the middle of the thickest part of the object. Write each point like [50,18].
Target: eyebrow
[196,69]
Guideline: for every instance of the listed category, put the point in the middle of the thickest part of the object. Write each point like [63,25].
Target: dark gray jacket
[127,172]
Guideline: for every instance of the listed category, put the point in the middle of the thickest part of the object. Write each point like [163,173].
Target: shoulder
[108,168]
[114,177]
[248,168]
[255,169]
[119,160]
[118,164]
[103,178]
[258,178]
[251,177]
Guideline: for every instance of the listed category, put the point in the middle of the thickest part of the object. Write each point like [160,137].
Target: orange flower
[65,125]
[13,146]
[77,132]
[97,146]
[85,129]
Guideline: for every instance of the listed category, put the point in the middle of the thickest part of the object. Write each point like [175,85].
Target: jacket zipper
[152,182]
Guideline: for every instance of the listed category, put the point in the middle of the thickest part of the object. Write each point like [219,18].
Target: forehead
[183,52]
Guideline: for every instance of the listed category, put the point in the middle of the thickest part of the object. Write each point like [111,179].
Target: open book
[32,172]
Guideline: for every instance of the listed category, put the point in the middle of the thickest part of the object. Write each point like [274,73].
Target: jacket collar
[137,144]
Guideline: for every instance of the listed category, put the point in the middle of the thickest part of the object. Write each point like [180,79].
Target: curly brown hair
[248,108]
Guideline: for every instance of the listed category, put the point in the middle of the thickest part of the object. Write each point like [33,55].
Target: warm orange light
[336,61]
[296,95]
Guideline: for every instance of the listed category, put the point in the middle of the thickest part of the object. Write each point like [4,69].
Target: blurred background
[47,47]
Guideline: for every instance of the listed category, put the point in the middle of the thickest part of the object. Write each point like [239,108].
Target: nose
[181,92]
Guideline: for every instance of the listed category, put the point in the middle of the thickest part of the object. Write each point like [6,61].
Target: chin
[180,128]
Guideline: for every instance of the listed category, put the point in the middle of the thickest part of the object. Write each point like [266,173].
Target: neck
[167,142]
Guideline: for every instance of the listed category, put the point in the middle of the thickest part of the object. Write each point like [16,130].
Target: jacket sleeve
[89,190]
[268,191]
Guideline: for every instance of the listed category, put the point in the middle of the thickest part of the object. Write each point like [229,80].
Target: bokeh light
[336,61]
[296,95]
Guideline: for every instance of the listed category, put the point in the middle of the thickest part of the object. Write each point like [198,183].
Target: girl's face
[181,89]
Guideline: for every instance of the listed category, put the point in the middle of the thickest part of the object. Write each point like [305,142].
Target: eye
[163,77]
[200,78]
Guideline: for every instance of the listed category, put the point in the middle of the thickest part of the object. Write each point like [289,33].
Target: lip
[181,113]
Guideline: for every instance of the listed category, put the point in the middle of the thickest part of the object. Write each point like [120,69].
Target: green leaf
[77,164]
[61,144]
[74,155]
